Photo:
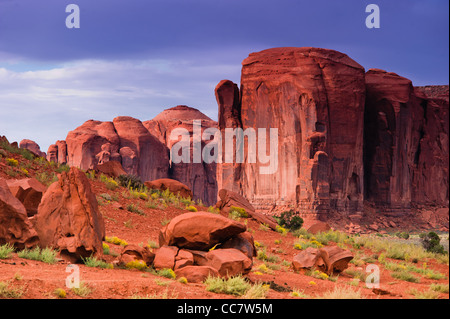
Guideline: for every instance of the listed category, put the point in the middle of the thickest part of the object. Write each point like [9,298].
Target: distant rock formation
[199,177]
[406,143]
[141,147]
[32,146]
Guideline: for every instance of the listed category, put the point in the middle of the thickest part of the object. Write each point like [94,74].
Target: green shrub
[289,220]
[60,293]
[136,264]
[130,181]
[340,292]
[213,210]
[110,183]
[405,276]
[403,235]
[46,255]
[191,208]
[12,162]
[134,208]
[6,250]
[241,212]
[116,241]
[6,291]
[427,294]
[167,273]
[106,197]
[21,151]
[94,262]
[431,243]
[63,168]
[46,178]
[82,291]
[236,286]
[440,288]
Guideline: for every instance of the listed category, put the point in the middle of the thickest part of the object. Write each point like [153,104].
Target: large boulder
[29,191]
[329,259]
[165,257]
[199,231]
[229,262]
[310,258]
[229,199]
[133,252]
[338,258]
[172,185]
[15,227]
[196,274]
[243,242]
[69,219]
[318,227]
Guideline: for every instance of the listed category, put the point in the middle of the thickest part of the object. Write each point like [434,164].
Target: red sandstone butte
[315,97]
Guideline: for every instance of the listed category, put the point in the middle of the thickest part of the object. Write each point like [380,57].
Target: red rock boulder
[172,185]
[229,262]
[134,252]
[15,228]
[329,259]
[196,274]
[29,191]
[165,257]
[318,227]
[199,231]
[69,219]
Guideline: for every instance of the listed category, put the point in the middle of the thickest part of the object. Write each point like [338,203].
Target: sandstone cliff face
[430,173]
[86,141]
[315,97]
[345,136]
[389,146]
[151,155]
[406,143]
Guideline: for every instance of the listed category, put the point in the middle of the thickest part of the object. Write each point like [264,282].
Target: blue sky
[139,57]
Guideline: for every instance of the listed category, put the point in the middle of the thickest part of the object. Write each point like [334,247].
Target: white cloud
[44,105]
